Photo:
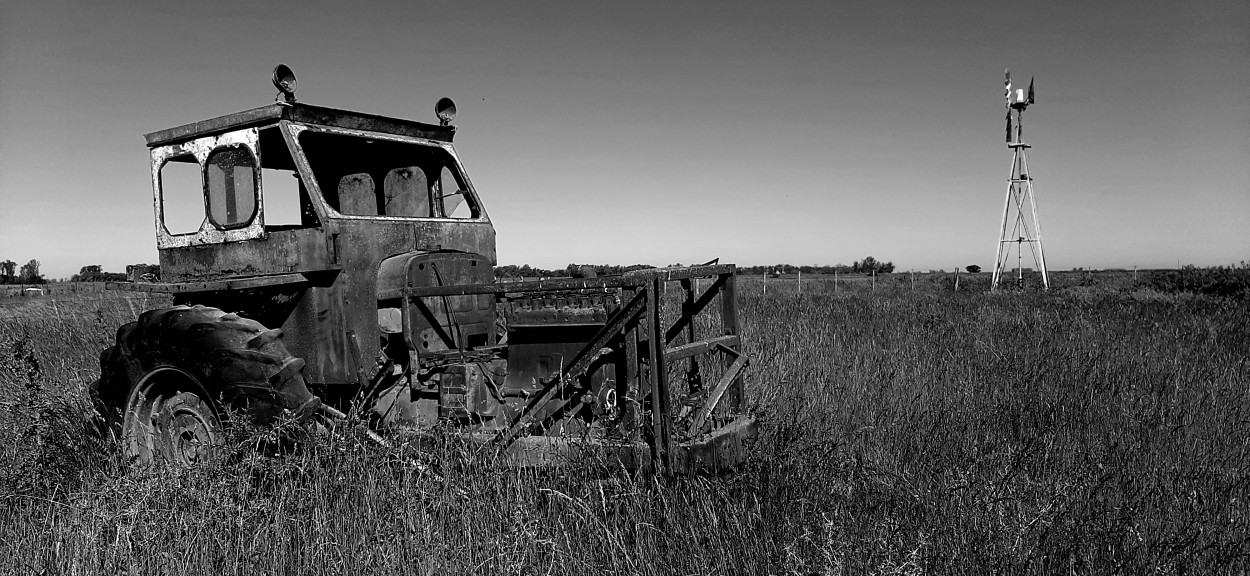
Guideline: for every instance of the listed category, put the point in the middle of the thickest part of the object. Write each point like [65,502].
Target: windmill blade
[1030,90]
[1007,96]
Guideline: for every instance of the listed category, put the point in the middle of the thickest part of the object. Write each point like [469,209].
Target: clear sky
[630,132]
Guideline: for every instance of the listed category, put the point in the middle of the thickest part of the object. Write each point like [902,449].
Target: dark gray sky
[757,132]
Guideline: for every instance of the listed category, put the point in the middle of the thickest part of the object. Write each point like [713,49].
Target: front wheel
[165,384]
[169,418]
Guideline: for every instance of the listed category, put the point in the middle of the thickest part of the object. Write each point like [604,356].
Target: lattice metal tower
[1020,223]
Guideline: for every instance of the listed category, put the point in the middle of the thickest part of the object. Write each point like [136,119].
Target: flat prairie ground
[906,428]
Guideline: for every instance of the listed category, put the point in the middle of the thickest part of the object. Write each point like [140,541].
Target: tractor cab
[291,166]
[303,206]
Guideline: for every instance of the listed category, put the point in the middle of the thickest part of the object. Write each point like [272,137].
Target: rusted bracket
[740,362]
[553,397]
[210,286]
[701,347]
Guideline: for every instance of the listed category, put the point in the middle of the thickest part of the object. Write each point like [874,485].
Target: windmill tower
[1020,224]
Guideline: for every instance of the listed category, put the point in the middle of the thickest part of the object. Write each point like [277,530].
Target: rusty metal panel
[282,252]
[208,233]
[301,113]
[255,116]
[314,332]
[635,279]
[729,323]
[212,286]
[444,322]
[661,416]
[368,122]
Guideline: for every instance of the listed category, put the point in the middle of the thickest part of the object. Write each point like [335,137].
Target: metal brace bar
[687,318]
[700,347]
[740,362]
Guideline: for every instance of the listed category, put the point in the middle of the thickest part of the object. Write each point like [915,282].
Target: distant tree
[580,271]
[89,273]
[30,273]
[972,268]
[869,265]
[8,270]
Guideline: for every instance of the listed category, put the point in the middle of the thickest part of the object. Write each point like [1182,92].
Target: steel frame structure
[1023,229]
[647,342]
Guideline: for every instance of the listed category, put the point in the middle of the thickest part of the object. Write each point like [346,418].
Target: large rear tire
[166,383]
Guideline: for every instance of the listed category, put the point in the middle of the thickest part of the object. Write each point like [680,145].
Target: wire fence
[44,307]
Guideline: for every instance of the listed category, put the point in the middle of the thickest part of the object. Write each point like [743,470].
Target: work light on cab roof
[284,81]
[446,111]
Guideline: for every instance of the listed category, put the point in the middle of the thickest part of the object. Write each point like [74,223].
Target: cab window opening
[287,202]
[230,179]
[373,177]
[182,195]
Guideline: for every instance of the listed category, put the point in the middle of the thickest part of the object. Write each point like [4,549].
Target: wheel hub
[172,426]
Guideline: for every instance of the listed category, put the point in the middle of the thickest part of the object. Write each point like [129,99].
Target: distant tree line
[93,273]
[868,265]
[27,274]
[570,271]
[10,273]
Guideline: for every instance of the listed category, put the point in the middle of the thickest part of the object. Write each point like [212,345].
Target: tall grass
[925,432]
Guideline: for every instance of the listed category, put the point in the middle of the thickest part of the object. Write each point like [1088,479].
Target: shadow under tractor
[324,263]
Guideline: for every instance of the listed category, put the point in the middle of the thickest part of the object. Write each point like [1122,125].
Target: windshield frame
[292,131]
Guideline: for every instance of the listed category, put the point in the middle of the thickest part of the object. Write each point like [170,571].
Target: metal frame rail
[637,331]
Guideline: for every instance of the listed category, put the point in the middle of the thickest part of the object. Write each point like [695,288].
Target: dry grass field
[1101,428]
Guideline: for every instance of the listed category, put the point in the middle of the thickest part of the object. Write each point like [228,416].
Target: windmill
[1019,229]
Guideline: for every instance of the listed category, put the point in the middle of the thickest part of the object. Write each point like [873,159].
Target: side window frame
[208,197]
[209,232]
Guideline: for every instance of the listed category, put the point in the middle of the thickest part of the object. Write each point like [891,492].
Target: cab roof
[302,113]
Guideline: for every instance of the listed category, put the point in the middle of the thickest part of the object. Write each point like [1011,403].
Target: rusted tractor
[328,262]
